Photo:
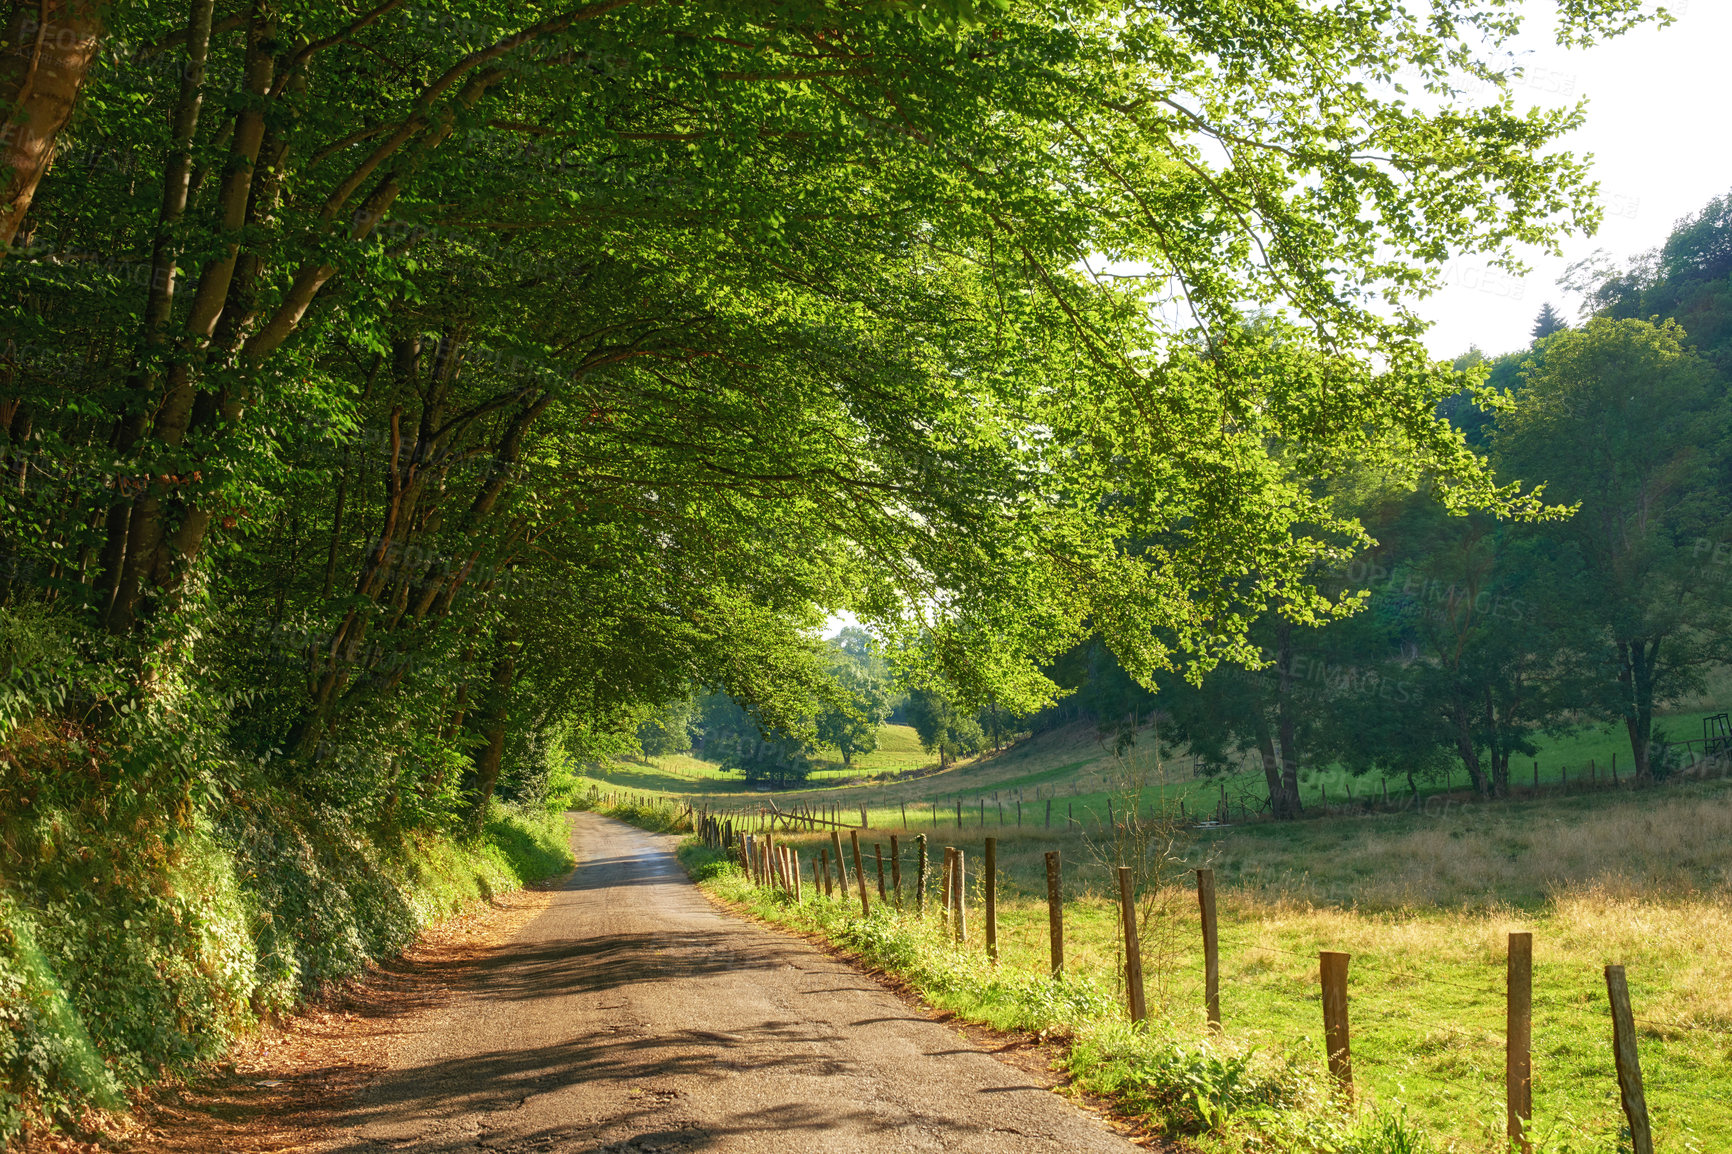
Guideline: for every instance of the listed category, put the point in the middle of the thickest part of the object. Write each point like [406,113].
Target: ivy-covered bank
[125,956]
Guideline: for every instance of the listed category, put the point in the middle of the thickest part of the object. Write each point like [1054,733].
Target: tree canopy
[396,384]
[1478,635]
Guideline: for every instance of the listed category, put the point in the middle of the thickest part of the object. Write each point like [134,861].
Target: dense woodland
[399,397]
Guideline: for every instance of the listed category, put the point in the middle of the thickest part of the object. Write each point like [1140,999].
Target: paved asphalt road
[633,1016]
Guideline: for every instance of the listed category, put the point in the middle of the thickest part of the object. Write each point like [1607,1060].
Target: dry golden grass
[1676,844]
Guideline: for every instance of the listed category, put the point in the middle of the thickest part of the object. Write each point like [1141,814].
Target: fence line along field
[1424,901]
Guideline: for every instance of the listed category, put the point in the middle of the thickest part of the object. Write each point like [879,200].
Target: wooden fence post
[1133,946]
[1629,1067]
[817,878]
[944,882]
[1211,949]
[841,868]
[989,882]
[1049,813]
[896,868]
[860,874]
[1518,1039]
[1332,973]
[1055,911]
[959,897]
[794,864]
[920,876]
[829,889]
[878,852]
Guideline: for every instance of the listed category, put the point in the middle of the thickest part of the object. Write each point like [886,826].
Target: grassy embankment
[135,951]
[1422,901]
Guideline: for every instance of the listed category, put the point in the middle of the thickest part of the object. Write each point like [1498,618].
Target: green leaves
[613,346]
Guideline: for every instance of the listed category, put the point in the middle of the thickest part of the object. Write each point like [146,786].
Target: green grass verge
[1211,1094]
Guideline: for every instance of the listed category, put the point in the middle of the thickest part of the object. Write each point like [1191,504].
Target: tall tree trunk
[164,532]
[1271,768]
[1287,724]
[1496,751]
[50,46]
[1636,661]
[493,725]
[1462,716]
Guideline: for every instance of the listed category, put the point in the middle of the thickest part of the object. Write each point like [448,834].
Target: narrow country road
[633,1016]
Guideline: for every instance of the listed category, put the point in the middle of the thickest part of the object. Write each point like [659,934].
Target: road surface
[633,1016]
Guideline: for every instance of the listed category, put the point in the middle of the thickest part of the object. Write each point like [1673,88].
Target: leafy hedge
[125,956]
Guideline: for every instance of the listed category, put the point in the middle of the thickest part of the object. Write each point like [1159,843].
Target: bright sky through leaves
[1655,126]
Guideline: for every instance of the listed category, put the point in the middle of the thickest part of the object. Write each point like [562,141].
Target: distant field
[898,751]
[1072,769]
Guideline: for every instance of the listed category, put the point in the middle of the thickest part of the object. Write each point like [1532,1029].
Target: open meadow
[1423,898]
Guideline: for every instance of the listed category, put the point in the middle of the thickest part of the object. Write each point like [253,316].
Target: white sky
[1657,127]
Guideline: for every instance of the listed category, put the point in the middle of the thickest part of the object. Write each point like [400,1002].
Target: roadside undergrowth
[135,953]
[1207,1095]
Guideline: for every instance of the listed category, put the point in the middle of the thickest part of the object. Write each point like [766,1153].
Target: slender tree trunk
[493,726]
[1287,724]
[50,46]
[1495,750]
[1467,748]
[1271,768]
[1636,659]
[164,532]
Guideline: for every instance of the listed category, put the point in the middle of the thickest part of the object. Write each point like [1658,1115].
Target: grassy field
[898,752]
[1424,904]
[1422,899]
[1073,770]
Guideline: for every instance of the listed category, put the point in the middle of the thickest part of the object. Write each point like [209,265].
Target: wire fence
[862,873]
